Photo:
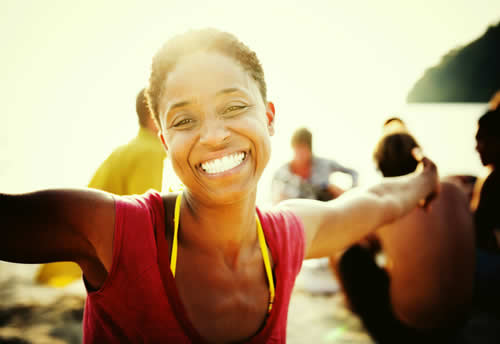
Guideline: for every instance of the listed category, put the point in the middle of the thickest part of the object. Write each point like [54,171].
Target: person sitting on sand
[412,280]
[486,215]
[493,104]
[307,176]
[205,265]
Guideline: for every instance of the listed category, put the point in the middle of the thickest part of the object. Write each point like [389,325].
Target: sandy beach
[31,313]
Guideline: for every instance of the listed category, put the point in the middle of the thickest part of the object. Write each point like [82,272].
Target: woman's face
[216,127]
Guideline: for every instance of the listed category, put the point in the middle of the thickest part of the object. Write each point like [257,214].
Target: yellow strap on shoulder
[262,242]
[267,264]
[177,211]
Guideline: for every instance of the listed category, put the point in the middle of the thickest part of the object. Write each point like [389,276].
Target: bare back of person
[430,261]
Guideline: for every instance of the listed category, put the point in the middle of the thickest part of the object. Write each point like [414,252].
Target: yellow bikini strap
[262,242]
[173,257]
[267,264]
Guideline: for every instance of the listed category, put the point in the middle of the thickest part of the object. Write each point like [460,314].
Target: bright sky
[70,70]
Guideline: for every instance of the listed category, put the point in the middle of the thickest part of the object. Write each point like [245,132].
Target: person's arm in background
[332,226]
[334,190]
[336,167]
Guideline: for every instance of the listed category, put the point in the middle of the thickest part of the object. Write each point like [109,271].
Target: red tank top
[139,302]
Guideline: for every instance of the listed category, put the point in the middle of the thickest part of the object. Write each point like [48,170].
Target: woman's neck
[229,230]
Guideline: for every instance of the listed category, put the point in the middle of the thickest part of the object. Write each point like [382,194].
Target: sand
[31,313]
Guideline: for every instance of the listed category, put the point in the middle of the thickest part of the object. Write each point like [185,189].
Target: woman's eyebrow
[179,104]
[229,90]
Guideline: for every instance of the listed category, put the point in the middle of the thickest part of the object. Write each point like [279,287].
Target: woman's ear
[162,139]
[270,114]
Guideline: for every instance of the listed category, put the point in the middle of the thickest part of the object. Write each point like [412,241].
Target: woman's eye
[183,122]
[233,108]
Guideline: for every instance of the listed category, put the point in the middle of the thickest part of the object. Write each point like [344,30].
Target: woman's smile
[224,163]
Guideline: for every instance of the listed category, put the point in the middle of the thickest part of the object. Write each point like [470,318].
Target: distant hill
[466,74]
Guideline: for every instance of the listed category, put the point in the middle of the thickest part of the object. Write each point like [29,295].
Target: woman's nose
[214,132]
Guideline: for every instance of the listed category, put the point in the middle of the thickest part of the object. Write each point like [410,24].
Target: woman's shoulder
[282,224]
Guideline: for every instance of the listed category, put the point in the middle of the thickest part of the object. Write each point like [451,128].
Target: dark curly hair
[205,40]
[489,124]
[393,154]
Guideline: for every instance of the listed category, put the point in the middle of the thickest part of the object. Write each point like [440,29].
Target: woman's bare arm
[333,226]
[57,225]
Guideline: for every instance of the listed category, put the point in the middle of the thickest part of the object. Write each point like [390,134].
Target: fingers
[426,203]
[417,153]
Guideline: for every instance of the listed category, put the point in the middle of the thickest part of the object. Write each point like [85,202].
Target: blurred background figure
[486,204]
[487,215]
[307,176]
[133,168]
[394,125]
[412,282]
[137,166]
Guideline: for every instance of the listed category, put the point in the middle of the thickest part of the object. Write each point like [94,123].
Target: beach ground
[31,313]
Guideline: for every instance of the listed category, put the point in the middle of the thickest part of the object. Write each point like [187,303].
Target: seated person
[307,176]
[424,289]
[486,216]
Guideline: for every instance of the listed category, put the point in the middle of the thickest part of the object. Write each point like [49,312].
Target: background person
[133,168]
[412,280]
[307,176]
[137,166]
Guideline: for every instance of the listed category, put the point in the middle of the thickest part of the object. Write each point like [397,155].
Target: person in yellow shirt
[133,168]
[137,166]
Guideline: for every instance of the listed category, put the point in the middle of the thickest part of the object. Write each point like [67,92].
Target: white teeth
[223,164]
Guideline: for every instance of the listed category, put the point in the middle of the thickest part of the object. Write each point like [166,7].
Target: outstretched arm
[56,225]
[333,226]
[336,167]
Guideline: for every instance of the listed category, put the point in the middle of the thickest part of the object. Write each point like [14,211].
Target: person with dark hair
[206,264]
[487,216]
[392,155]
[307,176]
[412,280]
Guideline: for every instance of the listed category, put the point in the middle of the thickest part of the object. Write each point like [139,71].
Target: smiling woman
[186,268]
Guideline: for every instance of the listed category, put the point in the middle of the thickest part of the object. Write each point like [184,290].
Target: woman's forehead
[205,75]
